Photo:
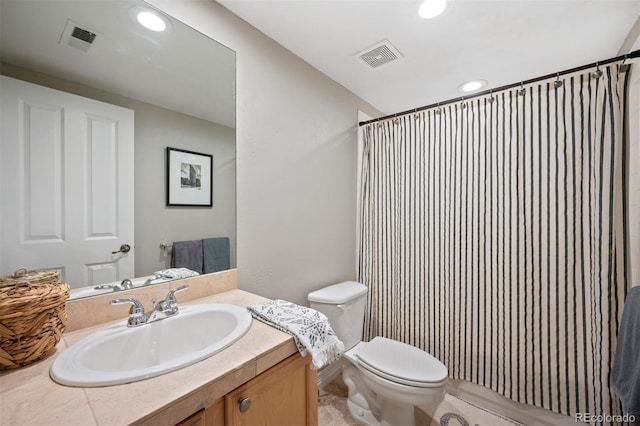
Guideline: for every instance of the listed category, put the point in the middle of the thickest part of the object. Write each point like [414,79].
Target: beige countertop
[29,397]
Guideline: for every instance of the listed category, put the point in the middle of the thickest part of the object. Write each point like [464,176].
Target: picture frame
[189,178]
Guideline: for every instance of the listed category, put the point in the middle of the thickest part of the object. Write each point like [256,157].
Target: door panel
[40,199]
[67,184]
[102,145]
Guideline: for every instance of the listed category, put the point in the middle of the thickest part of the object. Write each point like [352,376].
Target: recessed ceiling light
[472,86]
[150,19]
[432,8]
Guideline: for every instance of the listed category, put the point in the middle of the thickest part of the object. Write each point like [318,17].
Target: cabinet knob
[244,404]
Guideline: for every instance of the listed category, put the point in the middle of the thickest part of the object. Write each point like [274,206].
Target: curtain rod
[631,55]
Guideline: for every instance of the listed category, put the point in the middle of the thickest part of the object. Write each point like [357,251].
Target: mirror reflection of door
[67,176]
[180,99]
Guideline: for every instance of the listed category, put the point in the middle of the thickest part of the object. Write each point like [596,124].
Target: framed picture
[189,178]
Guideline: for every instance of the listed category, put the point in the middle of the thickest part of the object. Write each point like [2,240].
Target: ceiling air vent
[83,35]
[76,36]
[380,54]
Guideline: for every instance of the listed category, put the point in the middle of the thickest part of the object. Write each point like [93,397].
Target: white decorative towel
[310,329]
[177,273]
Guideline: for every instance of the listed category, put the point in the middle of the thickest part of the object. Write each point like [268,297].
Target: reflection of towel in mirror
[177,273]
[310,329]
[215,252]
[187,254]
[625,374]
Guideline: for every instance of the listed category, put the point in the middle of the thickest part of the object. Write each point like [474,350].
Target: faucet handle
[169,306]
[171,298]
[136,307]
[136,313]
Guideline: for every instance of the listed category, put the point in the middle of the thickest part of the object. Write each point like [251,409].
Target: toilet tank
[344,305]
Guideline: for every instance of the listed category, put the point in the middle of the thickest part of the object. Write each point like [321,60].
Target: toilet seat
[401,363]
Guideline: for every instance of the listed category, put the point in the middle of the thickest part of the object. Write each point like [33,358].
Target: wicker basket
[33,316]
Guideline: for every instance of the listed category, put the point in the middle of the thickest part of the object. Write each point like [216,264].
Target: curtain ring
[557,84]
[438,110]
[624,67]
[491,98]
[522,91]
[598,72]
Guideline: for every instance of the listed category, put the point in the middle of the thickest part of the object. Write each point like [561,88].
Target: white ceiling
[503,42]
[182,70]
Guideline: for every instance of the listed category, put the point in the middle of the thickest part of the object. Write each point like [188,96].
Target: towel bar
[165,246]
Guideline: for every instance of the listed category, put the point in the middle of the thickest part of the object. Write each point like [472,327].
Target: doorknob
[123,249]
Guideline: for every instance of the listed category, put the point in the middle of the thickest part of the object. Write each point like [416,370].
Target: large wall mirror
[177,85]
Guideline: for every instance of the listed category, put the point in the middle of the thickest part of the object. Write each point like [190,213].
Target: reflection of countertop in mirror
[114,287]
[30,397]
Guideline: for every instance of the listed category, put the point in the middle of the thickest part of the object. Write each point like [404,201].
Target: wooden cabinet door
[196,419]
[284,395]
[213,415]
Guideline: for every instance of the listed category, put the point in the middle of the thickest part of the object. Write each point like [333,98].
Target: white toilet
[386,378]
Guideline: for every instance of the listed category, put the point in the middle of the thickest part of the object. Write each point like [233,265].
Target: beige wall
[296,159]
[155,129]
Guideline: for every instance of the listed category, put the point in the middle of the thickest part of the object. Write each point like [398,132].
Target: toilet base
[362,416]
[369,407]
[362,408]
[366,418]
[392,415]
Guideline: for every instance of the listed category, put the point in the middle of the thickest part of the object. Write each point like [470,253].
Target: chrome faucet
[167,307]
[107,287]
[161,310]
[150,279]
[136,313]
[126,284]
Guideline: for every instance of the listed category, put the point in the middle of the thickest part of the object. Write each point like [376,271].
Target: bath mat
[458,412]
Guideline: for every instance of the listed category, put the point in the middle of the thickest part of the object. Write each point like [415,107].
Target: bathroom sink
[121,354]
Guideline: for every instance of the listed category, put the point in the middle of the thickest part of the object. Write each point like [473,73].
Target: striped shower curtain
[492,236]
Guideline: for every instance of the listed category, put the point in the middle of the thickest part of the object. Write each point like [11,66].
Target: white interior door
[66,175]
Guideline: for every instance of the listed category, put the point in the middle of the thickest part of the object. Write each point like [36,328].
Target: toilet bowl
[386,378]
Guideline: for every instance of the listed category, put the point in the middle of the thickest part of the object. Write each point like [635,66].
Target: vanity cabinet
[285,394]
[197,419]
[213,415]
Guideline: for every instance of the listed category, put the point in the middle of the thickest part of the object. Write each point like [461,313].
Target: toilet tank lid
[338,293]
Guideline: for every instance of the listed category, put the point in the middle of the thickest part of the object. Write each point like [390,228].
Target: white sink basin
[122,354]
